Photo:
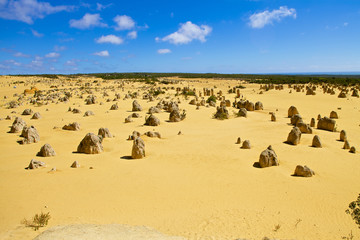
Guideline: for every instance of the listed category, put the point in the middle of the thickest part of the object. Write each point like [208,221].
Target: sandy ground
[198,185]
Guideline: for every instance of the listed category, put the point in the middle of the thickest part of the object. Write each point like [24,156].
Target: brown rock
[303,171]
[91,144]
[268,158]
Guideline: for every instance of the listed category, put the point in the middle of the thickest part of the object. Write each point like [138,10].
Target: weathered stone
[343,135]
[334,115]
[153,134]
[75,164]
[312,122]
[154,110]
[246,145]
[292,111]
[273,117]
[104,133]
[268,158]
[17,125]
[316,142]
[303,171]
[342,95]
[352,149]
[75,126]
[27,112]
[30,135]
[88,113]
[128,119]
[46,151]
[114,107]
[152,120]
[304,128]
[75,110]
[238,141]
[326,123]
[346,144]
[138,149]
[242,112]
[259,106]
[91,144]
[294,136]
[36,116]
[175,116]
[34,164]
[136,106]
[295,119]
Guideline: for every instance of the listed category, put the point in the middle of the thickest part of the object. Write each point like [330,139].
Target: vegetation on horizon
[151,78]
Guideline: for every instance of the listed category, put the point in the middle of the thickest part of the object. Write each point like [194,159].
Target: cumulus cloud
[163,51]
[36,33]
[102,53]
[52,55]
[87,21]
[124,22]
[259,20]
[110,39]
[132,35]
[187,33]
[28,10]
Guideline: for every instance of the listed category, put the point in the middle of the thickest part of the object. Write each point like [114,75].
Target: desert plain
[197,185]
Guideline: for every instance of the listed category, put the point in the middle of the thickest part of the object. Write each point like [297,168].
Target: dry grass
[39,220]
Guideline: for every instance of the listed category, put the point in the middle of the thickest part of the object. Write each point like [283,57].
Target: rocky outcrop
[175,116]
[104,133]
[138,149]
[316,142]
[136,106]
[75,126]
[46,151]
[326,123]
[268,158]
[292,111]
[294,136]
[30,135]
[91,144]
[303,171]
[152,120]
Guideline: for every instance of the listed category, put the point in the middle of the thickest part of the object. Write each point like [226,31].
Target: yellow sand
[199,185]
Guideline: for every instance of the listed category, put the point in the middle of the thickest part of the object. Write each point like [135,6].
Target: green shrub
[39,220]
[211,98]
[354,210]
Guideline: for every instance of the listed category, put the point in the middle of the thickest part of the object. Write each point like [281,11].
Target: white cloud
[187,33]
[110,39]
[36,33]
[124,22]
[52,55]
[71,63]
[12,62]
[59,48]
[28,10]
[102,53]
[100,7]
[259,20]
[87,21]
[346,24]
[163,51]
[20,54]
[132,35]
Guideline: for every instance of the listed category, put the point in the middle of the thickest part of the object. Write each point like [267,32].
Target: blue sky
[228,36]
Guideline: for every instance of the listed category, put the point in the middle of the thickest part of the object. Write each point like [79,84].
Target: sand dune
[197,185]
